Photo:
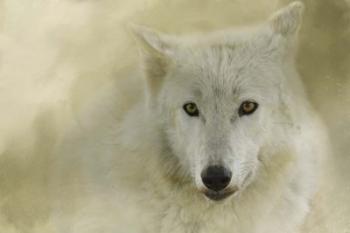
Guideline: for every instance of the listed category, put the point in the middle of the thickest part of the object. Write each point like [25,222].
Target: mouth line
[220,195]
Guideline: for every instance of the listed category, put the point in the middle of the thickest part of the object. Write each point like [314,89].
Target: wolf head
[217,97]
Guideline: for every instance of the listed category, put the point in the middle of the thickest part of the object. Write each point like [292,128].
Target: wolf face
[216,97]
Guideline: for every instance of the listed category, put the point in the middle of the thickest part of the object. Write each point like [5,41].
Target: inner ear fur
[155,49]
[287,20]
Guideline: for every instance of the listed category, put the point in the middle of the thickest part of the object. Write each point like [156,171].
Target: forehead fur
[222,64]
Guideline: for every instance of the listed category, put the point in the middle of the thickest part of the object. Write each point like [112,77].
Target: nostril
[216,178]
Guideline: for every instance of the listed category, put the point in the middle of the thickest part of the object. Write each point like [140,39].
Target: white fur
[150,159]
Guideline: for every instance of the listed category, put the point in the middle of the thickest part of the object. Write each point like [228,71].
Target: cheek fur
[182,137]
[244,149]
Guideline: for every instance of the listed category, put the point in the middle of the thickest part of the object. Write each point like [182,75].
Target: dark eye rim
[194,114]
[241,112]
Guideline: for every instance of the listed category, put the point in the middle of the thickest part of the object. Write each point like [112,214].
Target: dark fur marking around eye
[191,109]
[247,108]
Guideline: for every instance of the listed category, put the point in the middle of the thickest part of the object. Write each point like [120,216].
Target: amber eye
[191,109]
[247,108]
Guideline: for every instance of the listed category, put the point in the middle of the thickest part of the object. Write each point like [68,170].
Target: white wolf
[224,141]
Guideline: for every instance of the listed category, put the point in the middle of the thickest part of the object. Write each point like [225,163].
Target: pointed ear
[151,40]
[156,49]
[287,20]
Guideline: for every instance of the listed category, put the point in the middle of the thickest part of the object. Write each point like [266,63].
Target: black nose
[216,178]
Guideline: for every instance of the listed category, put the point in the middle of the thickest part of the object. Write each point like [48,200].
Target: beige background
[55,53]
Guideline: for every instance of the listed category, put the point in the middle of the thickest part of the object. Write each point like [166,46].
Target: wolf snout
[216,178]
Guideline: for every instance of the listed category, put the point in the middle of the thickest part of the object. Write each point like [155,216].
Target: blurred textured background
[54,54]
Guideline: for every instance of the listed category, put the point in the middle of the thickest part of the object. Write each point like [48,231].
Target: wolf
[222,137]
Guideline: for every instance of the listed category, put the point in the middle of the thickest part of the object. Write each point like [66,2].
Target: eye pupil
[248,106]
[191,109]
